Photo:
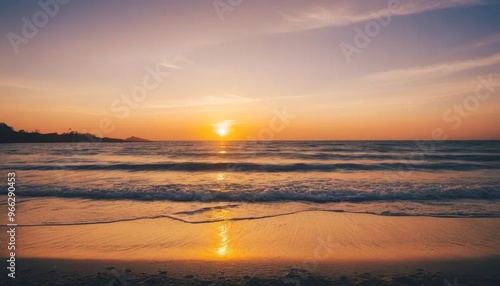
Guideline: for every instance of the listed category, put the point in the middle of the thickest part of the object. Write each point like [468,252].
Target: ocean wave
[268,195]
[324,156]
[255,167]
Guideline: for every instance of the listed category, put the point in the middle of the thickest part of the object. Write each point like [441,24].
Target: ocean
[88,183]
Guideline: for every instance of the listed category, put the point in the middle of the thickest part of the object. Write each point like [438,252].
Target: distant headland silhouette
[9,135]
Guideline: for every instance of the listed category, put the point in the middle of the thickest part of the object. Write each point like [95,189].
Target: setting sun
[223,128]
[222,131]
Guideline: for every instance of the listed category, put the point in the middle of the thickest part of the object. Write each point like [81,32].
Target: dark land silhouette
[136,139]
[9,135]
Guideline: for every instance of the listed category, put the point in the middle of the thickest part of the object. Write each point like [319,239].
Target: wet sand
[322,247]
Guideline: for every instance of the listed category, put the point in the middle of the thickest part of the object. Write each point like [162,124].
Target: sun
[223,128]
[222,132]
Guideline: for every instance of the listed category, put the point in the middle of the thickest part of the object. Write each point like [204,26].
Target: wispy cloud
[177,63]
[342,13]
[203,101]
[484,42]
[289,97]
[170,65]
[432,71]
[226,124]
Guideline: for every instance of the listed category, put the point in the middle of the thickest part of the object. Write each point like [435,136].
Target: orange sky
[173,70]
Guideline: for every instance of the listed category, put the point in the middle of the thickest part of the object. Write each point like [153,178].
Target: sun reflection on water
[221,176]
[223,241]
[222,250]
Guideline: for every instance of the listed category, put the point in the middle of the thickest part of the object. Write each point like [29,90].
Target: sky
[252,70]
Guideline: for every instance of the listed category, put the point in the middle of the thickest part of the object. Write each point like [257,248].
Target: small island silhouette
[9,135]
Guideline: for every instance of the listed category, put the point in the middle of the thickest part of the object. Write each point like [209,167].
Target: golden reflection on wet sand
[221,177]
[222,248]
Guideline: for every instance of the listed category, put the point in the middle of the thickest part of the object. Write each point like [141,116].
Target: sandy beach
[325,247]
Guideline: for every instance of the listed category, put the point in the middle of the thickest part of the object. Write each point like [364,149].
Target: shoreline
[324,236]
[325,248]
